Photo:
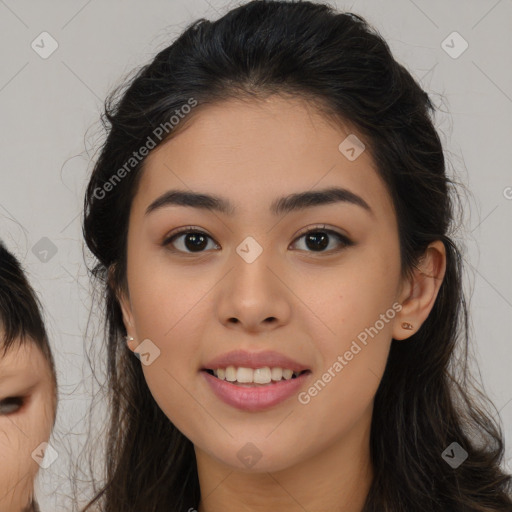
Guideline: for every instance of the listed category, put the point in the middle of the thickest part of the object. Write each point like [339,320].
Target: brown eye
[319,238]
[10,405]
[192,241]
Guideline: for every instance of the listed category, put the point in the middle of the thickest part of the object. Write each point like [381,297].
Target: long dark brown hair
[427,399]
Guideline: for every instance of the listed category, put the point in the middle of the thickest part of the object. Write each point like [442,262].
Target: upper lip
[242,358]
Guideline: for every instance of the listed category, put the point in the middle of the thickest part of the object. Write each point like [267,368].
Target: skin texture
[307,304]
[24,372]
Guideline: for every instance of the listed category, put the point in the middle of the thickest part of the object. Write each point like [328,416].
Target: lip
[254,398]
[254,360]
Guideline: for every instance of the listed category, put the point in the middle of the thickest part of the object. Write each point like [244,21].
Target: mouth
[254,377]
[255,390]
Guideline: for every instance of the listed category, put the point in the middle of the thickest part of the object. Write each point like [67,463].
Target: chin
[255,458]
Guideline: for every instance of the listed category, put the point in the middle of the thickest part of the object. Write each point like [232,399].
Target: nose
[254,296]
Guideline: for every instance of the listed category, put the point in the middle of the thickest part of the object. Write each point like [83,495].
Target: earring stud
[407,325]
[129,338]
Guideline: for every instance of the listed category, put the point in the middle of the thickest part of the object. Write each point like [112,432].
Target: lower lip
[254,398]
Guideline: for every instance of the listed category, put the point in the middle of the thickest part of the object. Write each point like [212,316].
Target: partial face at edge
[27,410]
[319,300]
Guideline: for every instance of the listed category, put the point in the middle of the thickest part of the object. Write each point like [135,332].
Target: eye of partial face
[11,405]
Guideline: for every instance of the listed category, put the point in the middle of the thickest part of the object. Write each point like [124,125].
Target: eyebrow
[290,203]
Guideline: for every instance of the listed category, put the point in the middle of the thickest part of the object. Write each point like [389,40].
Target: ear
[419,292]
[123,298]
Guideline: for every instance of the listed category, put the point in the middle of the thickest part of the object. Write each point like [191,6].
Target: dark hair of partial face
[21,318]
[342,65]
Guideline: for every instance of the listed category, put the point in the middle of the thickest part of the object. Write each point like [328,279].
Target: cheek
[170,311]
[368,287]
[162,294]
[352,321]
[27,429]
[17,468]
[343,304]
[171,385]
[169,308]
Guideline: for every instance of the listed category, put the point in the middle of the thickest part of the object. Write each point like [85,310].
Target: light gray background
[50,110]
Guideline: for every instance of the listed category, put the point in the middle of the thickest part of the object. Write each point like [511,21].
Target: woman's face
[27,407]
[254,283]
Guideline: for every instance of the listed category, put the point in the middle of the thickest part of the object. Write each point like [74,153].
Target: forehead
[21,355]
[255,151]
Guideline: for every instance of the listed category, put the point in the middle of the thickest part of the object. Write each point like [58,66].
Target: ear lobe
[124,303]
[420,295]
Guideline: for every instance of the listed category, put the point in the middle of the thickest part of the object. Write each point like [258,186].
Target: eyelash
[346,242]
[9,401]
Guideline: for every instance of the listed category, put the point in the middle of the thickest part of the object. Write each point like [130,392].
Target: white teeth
[263,375]
[276,373]
[230,373]
[287,374]
[244,375]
